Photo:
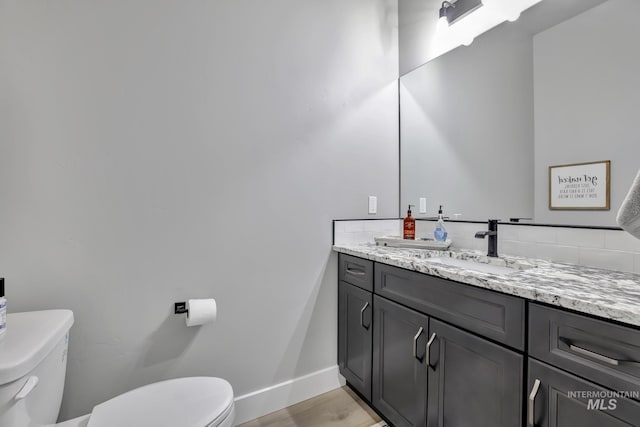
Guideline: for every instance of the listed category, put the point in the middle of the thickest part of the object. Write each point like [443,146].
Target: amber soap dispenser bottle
[409,226]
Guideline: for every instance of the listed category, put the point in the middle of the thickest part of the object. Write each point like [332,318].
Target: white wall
[153,151]
[467,129]
[416,27]
[587,100]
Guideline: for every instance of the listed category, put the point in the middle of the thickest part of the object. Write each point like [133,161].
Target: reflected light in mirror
[442,24]
[510,10]
[467,41]
[463,32]
[513,17]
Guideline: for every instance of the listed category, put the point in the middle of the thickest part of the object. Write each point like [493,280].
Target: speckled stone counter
[605,293]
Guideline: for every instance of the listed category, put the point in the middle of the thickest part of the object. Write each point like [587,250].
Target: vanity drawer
[491,314]
[357,271]
[601,351]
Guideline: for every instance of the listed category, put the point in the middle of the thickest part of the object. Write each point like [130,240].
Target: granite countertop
[609,294]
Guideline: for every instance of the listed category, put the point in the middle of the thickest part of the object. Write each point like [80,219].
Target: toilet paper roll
[201,311]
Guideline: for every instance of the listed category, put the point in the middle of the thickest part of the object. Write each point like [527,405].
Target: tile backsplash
[346,232]
[611,249]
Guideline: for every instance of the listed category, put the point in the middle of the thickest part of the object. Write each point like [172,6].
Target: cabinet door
[399,373]
[564,400]
[354,336]
[472,382]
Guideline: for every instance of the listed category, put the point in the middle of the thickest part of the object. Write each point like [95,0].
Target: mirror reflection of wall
[466,129]
[481,125]
[587,102]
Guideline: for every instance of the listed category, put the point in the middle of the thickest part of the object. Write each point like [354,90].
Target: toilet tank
[33,363]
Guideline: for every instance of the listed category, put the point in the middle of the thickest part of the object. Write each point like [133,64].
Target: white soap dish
[399,242]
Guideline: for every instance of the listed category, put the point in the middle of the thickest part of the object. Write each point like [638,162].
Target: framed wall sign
[580,186]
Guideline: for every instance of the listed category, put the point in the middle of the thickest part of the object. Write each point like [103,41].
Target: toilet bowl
[33,360]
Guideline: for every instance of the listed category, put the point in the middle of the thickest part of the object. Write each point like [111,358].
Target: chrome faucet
[493,237]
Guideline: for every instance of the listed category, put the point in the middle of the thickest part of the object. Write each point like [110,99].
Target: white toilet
[33,362]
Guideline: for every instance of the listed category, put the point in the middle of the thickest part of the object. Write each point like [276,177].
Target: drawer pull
[532,403]
[431,340]
[355,272]
[366,304]
[415,344]
[596,356]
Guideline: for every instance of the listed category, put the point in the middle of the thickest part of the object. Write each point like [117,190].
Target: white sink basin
[479,266]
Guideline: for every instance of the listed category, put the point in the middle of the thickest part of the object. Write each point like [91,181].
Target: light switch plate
[423,205]
[373,204]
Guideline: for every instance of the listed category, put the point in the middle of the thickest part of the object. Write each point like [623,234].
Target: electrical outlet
[423,205]
[373,204]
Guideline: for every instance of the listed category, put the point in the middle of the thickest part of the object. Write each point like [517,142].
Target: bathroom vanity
[434,342]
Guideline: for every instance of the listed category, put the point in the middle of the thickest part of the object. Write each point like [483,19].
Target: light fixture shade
[443,12]
[459,9]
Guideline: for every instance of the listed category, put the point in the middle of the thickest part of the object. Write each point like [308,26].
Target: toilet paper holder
[180,307]
[198,311]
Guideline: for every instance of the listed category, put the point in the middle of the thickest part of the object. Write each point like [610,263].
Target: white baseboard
[262,402]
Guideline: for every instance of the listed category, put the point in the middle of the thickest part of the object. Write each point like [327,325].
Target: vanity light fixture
[450,12]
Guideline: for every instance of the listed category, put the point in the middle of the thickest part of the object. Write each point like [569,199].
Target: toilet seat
[185,402]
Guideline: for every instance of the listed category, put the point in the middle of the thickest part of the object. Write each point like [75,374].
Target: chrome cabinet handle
[594,355]
[431,340]
[355,272]
[415,343]
[532,403]
[597,356]
[366,304]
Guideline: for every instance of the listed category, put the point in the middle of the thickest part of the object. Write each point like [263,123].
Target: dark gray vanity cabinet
[355,312]
[472,381]
[446,354]
[560,399]
[354,336]
[427,372]
[399,363]
[582,363]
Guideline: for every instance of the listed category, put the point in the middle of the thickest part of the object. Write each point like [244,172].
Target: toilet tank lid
[29,338]
[184,402]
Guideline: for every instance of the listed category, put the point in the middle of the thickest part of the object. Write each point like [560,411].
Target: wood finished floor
[337,408]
